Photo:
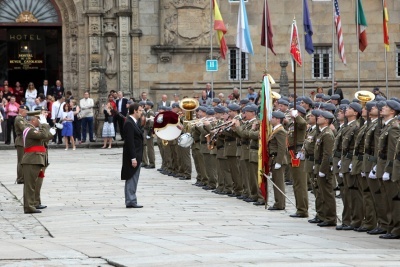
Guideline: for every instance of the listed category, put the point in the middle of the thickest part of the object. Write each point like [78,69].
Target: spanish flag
[219,26]
[385,26]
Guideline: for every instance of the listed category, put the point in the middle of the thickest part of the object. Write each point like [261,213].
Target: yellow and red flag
[295,45]
[385,25]
[219,26]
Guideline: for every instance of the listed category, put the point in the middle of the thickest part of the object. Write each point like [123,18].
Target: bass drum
[185,140]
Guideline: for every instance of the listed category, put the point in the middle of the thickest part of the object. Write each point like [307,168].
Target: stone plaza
[86,223]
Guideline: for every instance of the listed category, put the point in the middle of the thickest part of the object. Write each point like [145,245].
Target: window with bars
[322,62]
[235,68]
[398,60]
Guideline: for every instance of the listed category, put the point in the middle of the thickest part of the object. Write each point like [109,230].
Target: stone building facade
[160,46]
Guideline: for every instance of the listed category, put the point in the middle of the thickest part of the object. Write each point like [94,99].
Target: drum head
[169,132]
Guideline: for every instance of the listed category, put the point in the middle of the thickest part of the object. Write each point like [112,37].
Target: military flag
[295,45]
[243,39]
[339,33]
[385,25]
[362,27]
[308,30]
[266,23]
[219,26]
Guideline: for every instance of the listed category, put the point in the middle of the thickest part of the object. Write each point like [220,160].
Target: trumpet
[200,122]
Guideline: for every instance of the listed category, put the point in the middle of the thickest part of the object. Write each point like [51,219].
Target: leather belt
[33,149]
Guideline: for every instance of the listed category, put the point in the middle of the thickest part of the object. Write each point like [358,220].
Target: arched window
[28,11]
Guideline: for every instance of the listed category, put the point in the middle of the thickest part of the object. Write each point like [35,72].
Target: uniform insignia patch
[160,118]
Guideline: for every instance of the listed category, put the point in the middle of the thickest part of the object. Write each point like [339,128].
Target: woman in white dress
[30,95]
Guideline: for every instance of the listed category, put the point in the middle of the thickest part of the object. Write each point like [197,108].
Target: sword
[269,178]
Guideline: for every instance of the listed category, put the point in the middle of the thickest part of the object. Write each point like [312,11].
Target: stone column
[284,80]
[124,22]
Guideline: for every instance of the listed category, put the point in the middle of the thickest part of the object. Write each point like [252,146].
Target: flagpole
[211,46]
[240,71]
[358,50]
[303,52]
[386,74]
[333,46]
[266,34]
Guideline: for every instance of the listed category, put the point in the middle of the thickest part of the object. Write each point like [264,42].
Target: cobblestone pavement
[86,223]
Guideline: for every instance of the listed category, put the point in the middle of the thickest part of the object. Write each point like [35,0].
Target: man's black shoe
[250,200]
[326,224]
[185,178]
[35,211]
[20,182]
[92,141]
[289,183]
[240,197]
[143,165]
[389,236]
[134,206]
[315,220]
[232,195]
[361,229]
[258,203]
[150,167]
[274,208]
[40,207]
[298,215]
[377,231]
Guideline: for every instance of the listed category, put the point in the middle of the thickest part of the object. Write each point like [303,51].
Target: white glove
[386,176]
[42,119]
[350,167]
[53,131]
[277,166]
[363,174]
[340,175]
[339,164]
[321,174]
[372,175]
[374,169]
[331,168]
[294,113]
[301,156]
[313,167]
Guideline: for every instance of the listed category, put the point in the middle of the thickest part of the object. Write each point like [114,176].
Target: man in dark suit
[132,155]
[336,91]
[164,102]
[122,112]
[57,90]
[44,89]
[210,93]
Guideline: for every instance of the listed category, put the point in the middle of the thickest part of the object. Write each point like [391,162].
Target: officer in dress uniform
[295,155]
[148,134]
[209,152]
[203,147]
[369,219]
[395,178]
[322,153]
[389,135]
[278,158]
[19,124]
[308,148]
[34,159]
[352,198]
[196,154]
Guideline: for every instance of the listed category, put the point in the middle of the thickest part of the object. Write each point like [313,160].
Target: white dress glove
[331,168]
[277,166]
[53,131]
[372,174]
[339,164]
[340,175]
[350,167]
[321,174]
[301,156]
[42,119]
[363,174]
[374,168]
[386,176]
[294,113]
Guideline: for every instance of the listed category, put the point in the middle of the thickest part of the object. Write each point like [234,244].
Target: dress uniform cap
[326,97]
[355,100]
[316,112]
[318,105]
[343,106]
[216,100]
[319,95]
[142,103]
[203,108]
[34,113]
[369,105]
[301,109]
[329,106]
[300,98]
[25,107]
[380,98]
[251,108]
[285,98]
[234,107]
[40,108]
[380,105]
[393,105]
[335,97]
[307,100]
[219,109]
[244,101]
[291,105]
[226,109]
[150,103]
[278,114]
[327,115]
[355,106]
[345,101]
[395,99]
[175,105]
[210,111]
[283,102]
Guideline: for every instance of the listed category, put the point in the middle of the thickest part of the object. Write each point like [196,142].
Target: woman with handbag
[77,123]
[67,129]
[108,127]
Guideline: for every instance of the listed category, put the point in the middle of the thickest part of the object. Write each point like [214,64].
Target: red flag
[270,34]
[295,45]
[219,26]
[385,26]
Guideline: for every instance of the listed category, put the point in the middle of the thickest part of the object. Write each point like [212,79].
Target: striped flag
[266,23]
[339,33]
[362,28]
[385,25]
[243,39]
[295,45]
[265,130]
[219,26]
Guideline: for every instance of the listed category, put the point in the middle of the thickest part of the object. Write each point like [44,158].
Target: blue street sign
[212,65]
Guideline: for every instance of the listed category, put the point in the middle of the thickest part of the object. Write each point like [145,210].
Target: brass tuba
[189,105]
[364,97]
